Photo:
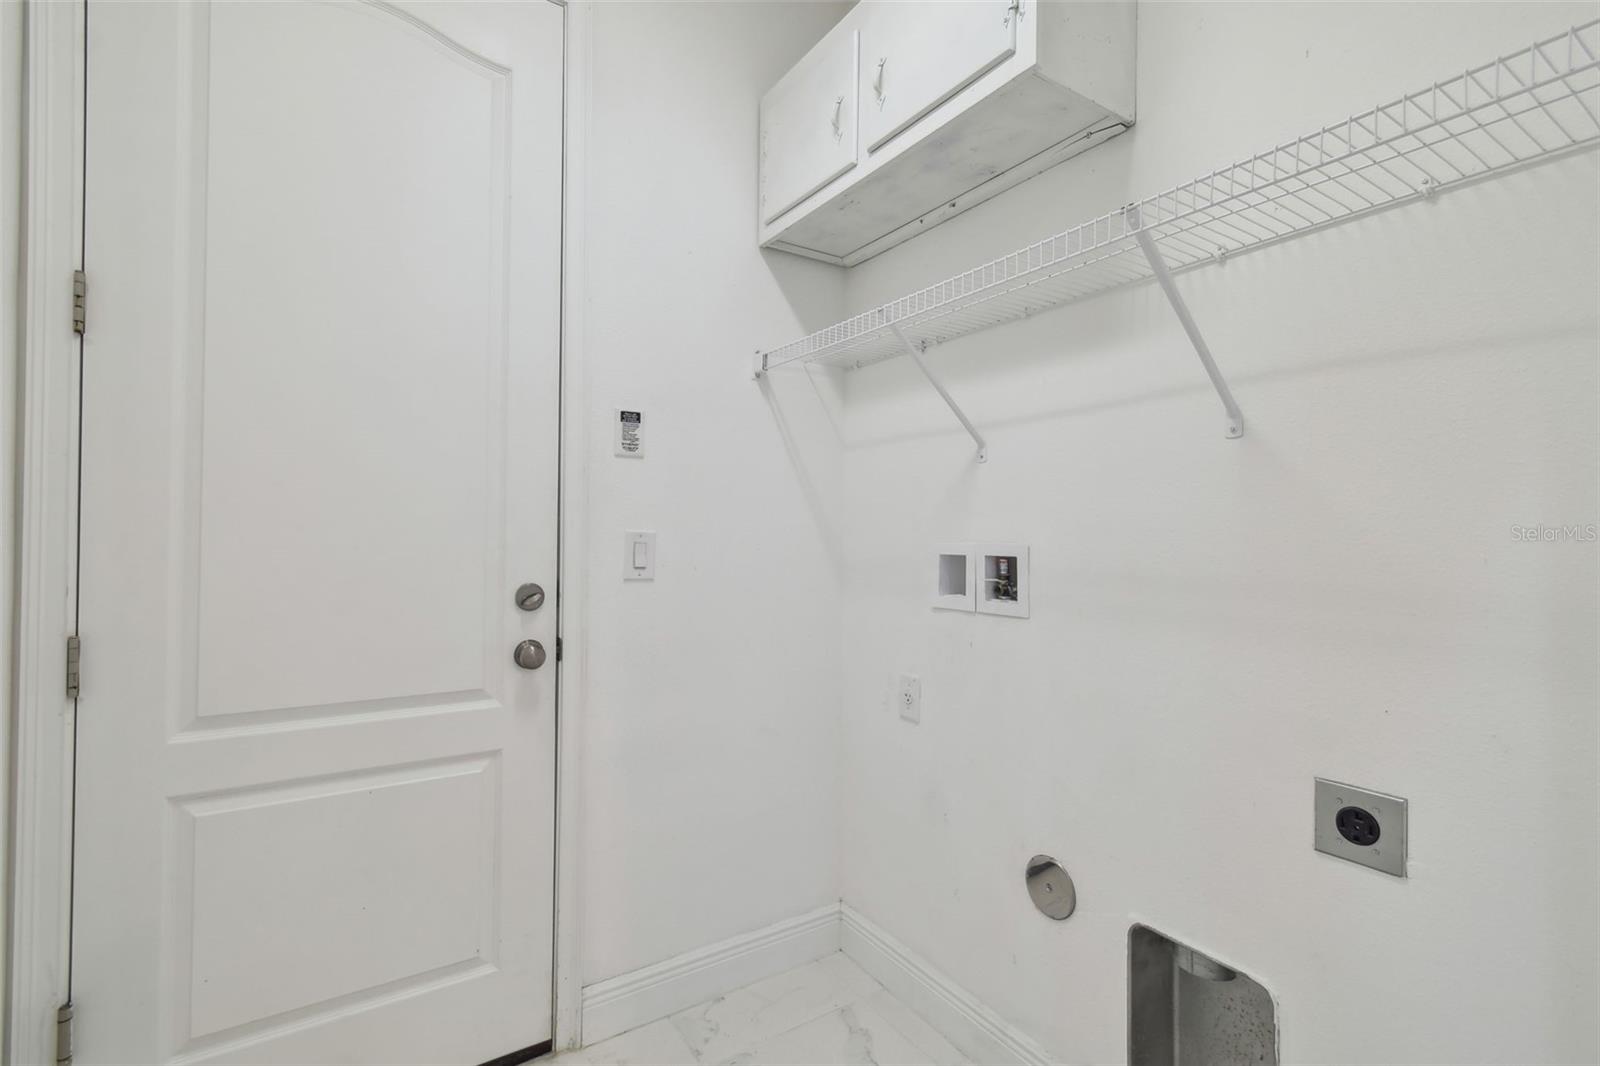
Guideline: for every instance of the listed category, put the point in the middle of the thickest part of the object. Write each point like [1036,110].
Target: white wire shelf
[1531,105]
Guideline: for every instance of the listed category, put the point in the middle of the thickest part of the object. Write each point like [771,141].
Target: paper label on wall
[630,434]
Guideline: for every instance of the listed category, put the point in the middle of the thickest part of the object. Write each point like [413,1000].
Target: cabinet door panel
[915,56]
[808,125]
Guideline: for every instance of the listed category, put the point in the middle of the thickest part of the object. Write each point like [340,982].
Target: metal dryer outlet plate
[1361,825]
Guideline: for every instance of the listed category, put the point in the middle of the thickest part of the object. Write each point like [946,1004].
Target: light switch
[638,555]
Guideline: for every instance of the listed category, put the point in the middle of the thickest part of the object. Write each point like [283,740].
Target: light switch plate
[638,555]
[1361,826]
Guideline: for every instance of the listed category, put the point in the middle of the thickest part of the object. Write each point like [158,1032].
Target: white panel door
[916,55]
[315,795]
[808,125]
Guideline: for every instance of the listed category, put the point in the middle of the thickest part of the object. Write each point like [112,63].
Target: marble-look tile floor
[826,1013]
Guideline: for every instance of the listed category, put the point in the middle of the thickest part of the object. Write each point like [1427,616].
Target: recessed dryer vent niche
[1186,1008]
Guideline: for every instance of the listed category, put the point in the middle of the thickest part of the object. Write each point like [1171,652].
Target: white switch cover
[638,555]
[909,698]
[629,440]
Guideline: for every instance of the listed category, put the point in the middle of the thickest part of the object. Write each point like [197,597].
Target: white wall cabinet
[808,125]
[915,56]
[946,104]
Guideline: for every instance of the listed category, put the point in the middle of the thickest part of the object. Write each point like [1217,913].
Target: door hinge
[74,656]
[64,1034]
[558,649]
[80,295]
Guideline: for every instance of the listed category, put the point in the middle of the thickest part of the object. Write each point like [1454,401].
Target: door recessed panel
[309,894]
[354,349]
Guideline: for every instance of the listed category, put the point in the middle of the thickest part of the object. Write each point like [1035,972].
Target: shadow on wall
[813,290]
[811,397]
[1124,349]
[806,403]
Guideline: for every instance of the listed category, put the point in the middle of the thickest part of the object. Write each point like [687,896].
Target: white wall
[10,338]
[1215,622]
[710,724]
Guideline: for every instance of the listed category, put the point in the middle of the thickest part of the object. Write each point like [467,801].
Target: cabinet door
[808,125]
[916,55]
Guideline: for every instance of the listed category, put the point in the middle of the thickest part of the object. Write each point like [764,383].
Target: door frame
[42,720]
[572,538]
[47,462]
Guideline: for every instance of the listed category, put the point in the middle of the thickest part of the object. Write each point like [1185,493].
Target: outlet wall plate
[1360,826]
[908,698]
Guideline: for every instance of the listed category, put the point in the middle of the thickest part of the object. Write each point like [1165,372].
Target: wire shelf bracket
[1163,276]
[1526,107]
[966,423]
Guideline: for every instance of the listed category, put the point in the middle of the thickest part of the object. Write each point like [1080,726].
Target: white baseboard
[633,999]
[645,995]
[975,1030]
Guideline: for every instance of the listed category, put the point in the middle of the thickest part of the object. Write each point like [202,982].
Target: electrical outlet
[1362,826]
[909,698]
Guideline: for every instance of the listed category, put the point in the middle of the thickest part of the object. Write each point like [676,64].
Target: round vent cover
[1052,890]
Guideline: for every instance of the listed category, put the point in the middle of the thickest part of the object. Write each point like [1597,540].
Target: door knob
[530,597]
[529,655]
